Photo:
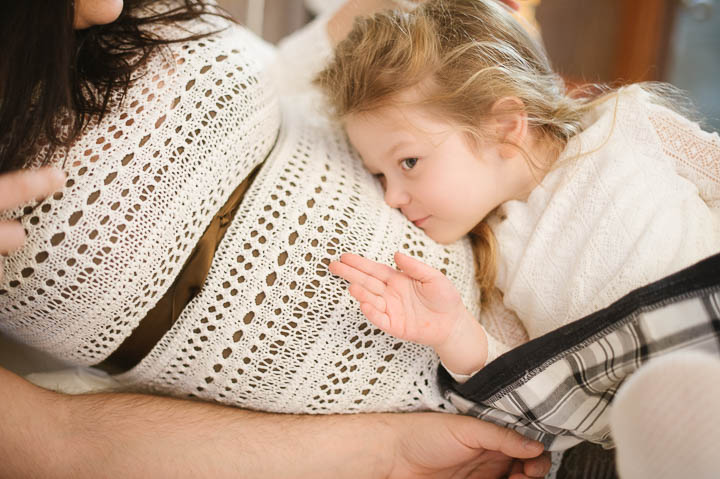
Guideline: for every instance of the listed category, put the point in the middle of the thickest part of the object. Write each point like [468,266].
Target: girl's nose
[396,197]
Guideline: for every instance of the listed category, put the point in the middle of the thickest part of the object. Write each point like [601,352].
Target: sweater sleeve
[495,349]
[504,332]
[696,152]
[504,329]
[301,56]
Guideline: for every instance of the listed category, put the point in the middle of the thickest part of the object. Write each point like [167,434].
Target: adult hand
[17,188]
[450,446]
[131,435]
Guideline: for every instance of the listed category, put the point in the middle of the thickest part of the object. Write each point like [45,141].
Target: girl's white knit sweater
[633,198]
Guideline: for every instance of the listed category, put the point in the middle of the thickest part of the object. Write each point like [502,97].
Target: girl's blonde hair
[465,55]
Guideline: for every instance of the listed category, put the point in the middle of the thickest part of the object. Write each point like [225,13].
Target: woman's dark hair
[54,80]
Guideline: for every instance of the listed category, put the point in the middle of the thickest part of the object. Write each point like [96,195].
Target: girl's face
[429,169]
[96,12]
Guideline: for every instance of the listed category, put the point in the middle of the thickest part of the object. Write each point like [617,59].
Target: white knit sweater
[642,202]
[271,329]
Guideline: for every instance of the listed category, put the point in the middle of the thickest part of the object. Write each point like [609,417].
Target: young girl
[570,202]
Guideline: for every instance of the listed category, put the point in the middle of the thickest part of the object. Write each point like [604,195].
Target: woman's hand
[17,188]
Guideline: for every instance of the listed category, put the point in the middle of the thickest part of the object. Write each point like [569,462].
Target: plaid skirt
[559,388]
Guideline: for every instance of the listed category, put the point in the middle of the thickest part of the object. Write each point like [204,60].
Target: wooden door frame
[645,30]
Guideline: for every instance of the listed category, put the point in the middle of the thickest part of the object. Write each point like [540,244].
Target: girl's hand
[18,188]
[417,303]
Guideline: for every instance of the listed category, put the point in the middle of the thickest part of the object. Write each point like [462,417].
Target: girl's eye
[408,163]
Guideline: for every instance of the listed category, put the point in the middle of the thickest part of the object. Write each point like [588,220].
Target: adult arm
[45,434]
[341,22]
[304,53]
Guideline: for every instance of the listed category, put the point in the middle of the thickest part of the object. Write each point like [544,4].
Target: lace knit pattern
[142,186]
[639,204]
[271,329]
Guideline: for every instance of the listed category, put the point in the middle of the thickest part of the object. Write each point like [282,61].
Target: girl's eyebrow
[393,150]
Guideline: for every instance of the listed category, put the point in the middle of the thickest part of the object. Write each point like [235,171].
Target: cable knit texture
[271,329]
[632,199]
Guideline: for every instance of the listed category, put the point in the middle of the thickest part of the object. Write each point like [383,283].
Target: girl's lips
[420,222]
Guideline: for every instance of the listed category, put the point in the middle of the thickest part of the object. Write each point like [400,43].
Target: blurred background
[608,41]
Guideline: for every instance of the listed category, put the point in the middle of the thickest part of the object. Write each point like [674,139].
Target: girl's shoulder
[644,101]
[629,116]
[628,98]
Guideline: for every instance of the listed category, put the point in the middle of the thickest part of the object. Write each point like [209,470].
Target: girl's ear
[509,120]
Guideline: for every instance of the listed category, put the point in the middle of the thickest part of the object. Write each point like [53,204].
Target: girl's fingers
[21,186]
[356,276]
[414,268]
[378,318]
[364,296]
[12,236]
[377,270]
